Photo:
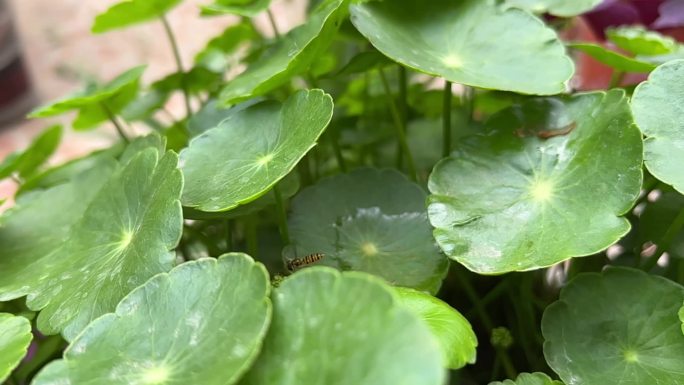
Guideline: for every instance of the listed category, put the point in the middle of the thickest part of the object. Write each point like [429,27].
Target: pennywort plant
[394,192]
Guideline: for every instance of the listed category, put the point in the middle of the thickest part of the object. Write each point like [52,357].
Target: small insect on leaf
[545,134]
[298,263]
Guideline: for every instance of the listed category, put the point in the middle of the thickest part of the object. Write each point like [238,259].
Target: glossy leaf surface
[549,180]
[453,39]
[202,323]
[268,139]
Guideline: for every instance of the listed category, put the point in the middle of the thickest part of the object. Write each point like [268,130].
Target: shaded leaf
[376,340]
[291,55]
[170,330]
[214,55]
[617,327]
[548,181]
[657,218]
[658,111]
[372,221]
[15,337]
[269,139]
[453,39]
[529,379]
[451,329]
[363,62]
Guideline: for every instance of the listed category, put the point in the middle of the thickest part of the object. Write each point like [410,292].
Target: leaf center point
[155,375]
[542,190]
[452,61]
[631,356]
[264,160]
[369,249]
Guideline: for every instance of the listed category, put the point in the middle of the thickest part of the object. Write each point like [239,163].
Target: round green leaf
[129,12]
[202,323]
[15,337]
[659,113]
[332,328]
[248,8]
[268,139]
[617,327]
[291,55]
[613,59]
[77,266]
[640,41]
[369,220]
[562,8]
[453,39]
[529,379]
[96,102]
[451,329]
[548,181]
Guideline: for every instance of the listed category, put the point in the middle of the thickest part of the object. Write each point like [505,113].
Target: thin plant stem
[282,215]
[403,109]
[616,79]
[251,235]
[446,120]
[229,235]
[115,122]
[341,163]
[271,19]
[666,242]
[179,62]
[401,133]
[486,321]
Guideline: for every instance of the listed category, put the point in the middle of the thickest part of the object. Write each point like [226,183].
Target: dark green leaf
[369,220]
[617,327]
[529,379]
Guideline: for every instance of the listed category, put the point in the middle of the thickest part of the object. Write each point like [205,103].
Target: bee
[298,263]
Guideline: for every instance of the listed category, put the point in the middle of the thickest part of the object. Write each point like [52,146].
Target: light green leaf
[334,329]
[453,39]
[15,337]
[547,181]
[212,114]
[451,329]
[202,323]
[39,151]
[372,221]
[529,379]
[248,8]
[290,56]
[681,316]
[267,139]
[617,327]
[640,41]
[659,113]
[613,59]
[110,235]
[95,103]
[562,8]
[215,56]
[129,12]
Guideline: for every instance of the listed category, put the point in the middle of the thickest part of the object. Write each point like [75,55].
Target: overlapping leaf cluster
[174,257]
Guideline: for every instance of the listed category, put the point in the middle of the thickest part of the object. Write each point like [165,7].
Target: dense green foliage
[471,219]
